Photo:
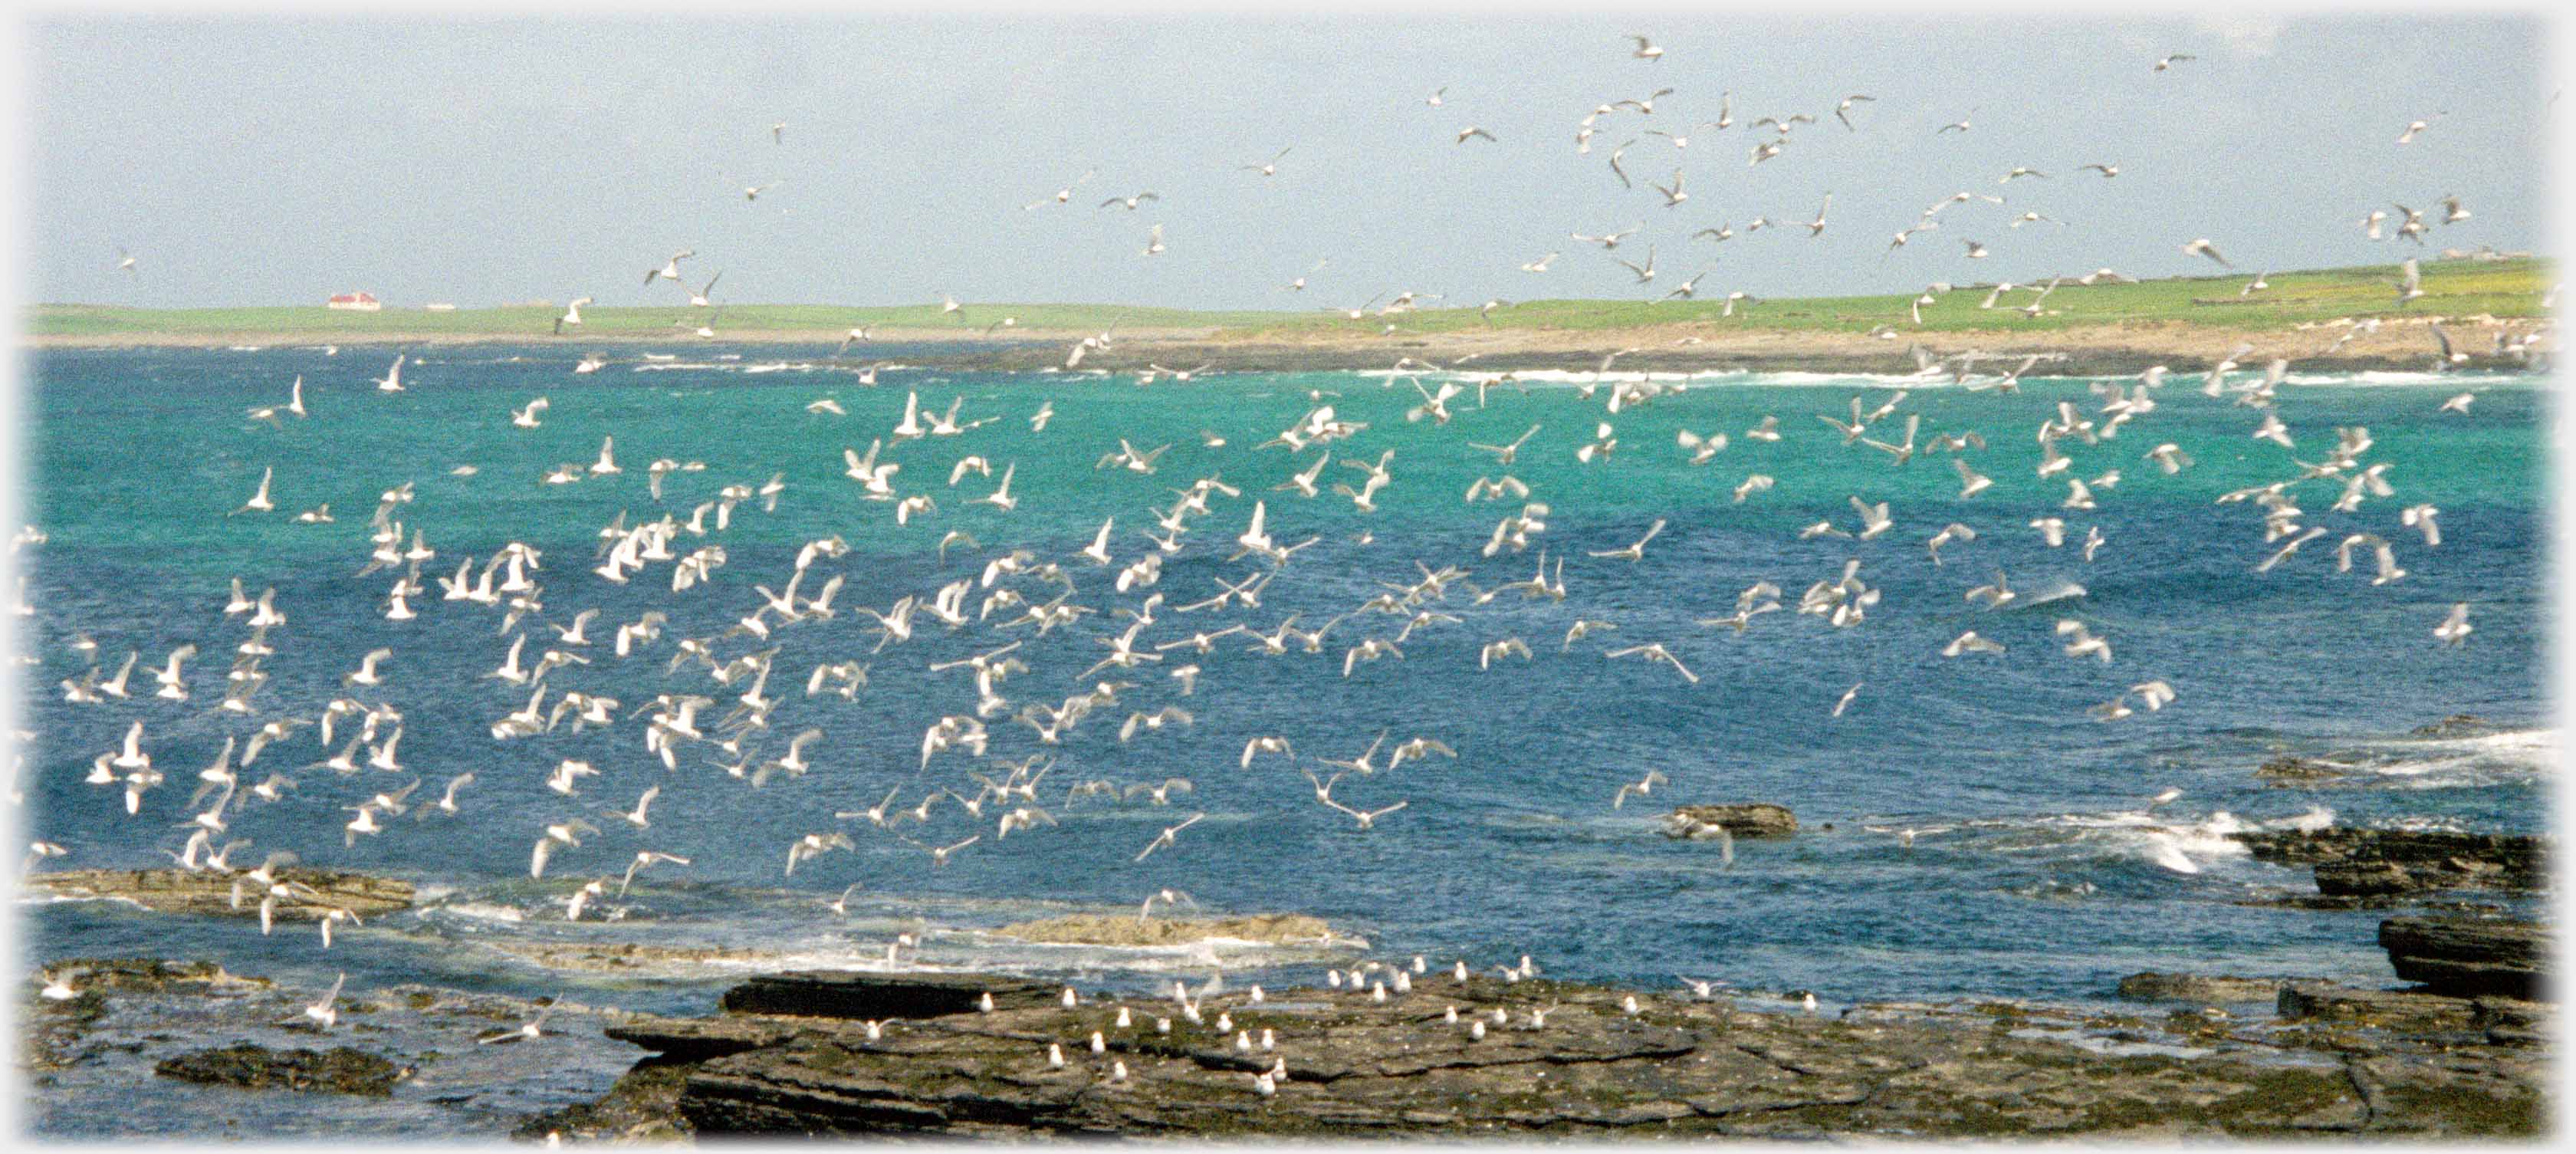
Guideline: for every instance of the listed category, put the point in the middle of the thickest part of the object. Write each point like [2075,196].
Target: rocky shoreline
[1418,1051]
[1453,1054]
[838,1053]
[1424,1052]
[834,1053]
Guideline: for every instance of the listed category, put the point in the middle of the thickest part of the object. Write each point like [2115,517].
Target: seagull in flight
[2202,247]
[1644,272]
[670,269]
[1845,106]
[1636,551]
[2455,628]
[1656,652]
[1169,835]
[1062,195]
[1269,168]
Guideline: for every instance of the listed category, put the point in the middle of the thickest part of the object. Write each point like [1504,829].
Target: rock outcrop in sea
[211,893]
[338,1070]
[1744,819]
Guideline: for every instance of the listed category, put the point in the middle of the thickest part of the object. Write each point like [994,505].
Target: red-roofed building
[362,302]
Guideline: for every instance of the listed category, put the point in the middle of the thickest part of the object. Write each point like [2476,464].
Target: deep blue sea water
[2037,869]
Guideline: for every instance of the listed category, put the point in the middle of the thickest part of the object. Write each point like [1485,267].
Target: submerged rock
[178,891]
[2456,725]
[2467,957]
[55,1027]
[1747,819]
[1127,930]
[339,1070]
[2288,770]
[2156,987]
[619,957]
[148,975]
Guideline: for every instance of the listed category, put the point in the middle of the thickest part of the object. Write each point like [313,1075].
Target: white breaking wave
[2452,762]
[2417,377]
[2182,847]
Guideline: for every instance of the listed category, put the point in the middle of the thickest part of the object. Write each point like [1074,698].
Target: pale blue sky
[278,160]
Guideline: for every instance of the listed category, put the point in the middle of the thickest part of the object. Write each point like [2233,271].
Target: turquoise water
[2037,869]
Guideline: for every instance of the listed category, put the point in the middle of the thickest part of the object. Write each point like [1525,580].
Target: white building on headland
[359,302]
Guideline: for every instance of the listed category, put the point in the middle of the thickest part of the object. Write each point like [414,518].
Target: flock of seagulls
[1105,604]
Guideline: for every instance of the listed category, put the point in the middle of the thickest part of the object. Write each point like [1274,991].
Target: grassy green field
[2455,288]
[2504,288]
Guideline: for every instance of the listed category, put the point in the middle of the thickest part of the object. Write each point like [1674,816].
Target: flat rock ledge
[2497,1020]
[339,1070]
[1357,1068]
[1747,819]
[207,892]
[1127,930]
[2376,863]
[2203,989]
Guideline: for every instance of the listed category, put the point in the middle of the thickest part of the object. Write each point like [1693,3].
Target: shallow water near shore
[2036,867]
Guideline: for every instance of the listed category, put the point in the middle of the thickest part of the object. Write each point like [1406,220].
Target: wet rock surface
[642,1107]
[1747,819]
[55,1027]
[1590,1067]
[339,1070]
[210,893]
[184,1051]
